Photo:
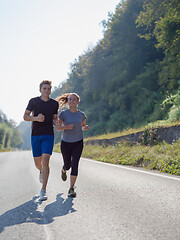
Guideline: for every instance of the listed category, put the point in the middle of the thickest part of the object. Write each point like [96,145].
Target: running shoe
[63,175]
[40,177]
[71,193]
[43,196]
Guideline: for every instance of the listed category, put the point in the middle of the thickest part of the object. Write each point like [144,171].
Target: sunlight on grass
[163,157]
[162,123]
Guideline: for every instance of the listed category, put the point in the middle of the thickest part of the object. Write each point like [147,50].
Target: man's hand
[40,118]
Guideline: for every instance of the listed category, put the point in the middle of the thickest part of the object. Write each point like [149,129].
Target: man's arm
[28,117]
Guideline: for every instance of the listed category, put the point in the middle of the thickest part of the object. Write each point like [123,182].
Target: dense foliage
[9,135]
[126,77]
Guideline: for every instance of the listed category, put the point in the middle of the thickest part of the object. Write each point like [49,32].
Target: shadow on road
[30,212]
[60,207]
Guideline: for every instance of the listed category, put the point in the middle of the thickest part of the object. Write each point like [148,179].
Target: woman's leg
[76,154]
[66,153]
[72,181]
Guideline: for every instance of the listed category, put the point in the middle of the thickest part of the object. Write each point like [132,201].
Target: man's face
[45,90]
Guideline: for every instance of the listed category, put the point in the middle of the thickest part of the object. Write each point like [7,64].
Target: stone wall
[168,134]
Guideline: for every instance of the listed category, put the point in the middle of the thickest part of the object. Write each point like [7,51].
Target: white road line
[47,232]
[41,210]
[136,170]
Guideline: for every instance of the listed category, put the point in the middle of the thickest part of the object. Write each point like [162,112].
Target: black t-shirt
[48,109]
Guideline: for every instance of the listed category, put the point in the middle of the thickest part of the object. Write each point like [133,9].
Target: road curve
[113,202]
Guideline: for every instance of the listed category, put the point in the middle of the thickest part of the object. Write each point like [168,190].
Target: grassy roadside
[157,124]
[163,157]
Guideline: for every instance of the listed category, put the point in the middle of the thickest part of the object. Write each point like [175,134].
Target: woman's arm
[84,126]
[54,119]
[61,127]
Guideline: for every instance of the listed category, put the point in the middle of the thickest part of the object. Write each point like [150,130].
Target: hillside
[149,135]
[9,135]
[131,77]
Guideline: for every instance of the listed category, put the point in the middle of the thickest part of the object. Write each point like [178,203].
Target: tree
[16,139]
[123,80]
[161,20]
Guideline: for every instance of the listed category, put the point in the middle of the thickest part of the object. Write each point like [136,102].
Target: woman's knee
[74,167]
[74,172]
[66,167]
[67,162]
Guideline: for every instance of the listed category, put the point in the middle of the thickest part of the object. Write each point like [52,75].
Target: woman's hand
[61,127]
[85,128]
[58,125]
[69,126]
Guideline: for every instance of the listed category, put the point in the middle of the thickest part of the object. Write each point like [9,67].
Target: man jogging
[42,111]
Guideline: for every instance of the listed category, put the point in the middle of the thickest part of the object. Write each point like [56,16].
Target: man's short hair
[44,82]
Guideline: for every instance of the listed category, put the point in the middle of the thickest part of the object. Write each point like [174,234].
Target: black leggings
[71,153]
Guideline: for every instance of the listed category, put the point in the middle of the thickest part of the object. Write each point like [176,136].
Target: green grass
[163,157]
[161,123]
[56,147]
[116,134]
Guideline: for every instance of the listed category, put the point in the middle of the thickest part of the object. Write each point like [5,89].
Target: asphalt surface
[113,202]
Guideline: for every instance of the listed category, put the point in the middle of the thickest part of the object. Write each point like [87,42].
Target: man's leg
[45,169]
[38,163]
[36,149]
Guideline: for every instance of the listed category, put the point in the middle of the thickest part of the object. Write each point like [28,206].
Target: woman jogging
[71,121]
[42,111]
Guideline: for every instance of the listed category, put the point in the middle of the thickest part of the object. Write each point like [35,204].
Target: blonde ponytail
[63,99]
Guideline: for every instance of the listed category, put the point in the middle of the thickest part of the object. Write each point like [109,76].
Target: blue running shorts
[42,144]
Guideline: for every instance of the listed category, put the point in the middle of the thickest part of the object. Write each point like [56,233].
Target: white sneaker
[40,177]
[43,196]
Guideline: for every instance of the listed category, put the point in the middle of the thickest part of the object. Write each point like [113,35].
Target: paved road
[113,202]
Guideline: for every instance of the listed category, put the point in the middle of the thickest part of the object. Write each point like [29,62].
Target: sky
[39,40]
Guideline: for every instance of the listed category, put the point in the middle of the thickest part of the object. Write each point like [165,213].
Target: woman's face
[72,101]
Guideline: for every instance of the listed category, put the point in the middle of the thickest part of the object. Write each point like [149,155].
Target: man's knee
[38,165]
[37,161]
[45,159]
